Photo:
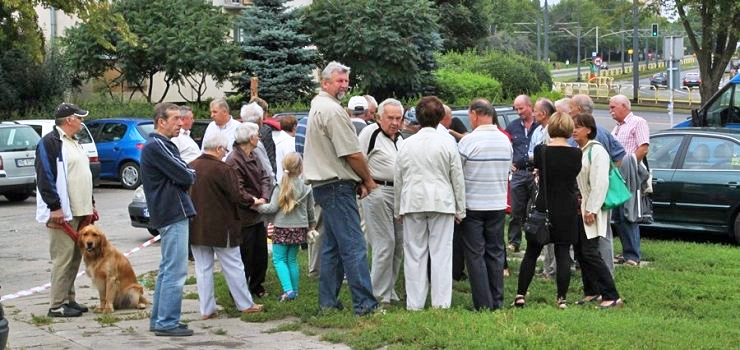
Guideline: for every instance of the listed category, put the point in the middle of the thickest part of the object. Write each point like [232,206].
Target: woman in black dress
[562,163]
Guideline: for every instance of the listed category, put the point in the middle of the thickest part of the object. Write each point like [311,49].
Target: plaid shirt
[632,133]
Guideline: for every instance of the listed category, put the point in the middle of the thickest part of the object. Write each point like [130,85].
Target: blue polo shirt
[520,138]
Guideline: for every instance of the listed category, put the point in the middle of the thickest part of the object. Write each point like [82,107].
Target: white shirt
[284,144]
[444,131]
[228,130]
[186,145]
[382,158]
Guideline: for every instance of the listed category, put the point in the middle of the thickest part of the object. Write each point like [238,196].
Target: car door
[708,180]
[108,142]
[662,156]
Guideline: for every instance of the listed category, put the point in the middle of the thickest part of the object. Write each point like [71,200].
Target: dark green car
[696,180]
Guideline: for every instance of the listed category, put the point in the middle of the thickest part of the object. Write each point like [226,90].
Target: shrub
[517,74]
[460,87]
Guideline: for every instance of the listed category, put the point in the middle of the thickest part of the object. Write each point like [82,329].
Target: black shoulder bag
[537,226]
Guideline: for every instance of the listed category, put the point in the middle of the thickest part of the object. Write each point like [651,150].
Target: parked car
[505,115]
[659,80]
[45,126]
[297,115]
[721,110]
[4,329]
[119,143]
[691,80]
[696,180]
[17,156]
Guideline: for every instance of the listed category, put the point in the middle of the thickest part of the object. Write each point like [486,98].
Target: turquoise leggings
[286,265]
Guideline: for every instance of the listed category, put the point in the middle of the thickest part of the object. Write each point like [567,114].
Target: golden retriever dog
[110,272]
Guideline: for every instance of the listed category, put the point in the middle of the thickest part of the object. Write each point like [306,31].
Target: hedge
[460,87]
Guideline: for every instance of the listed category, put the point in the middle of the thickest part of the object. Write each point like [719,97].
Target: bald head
[523,107]
[447,119]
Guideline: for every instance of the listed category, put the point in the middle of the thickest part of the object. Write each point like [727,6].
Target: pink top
[632,133]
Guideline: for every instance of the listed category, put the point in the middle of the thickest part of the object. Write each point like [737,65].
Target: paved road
[656,120]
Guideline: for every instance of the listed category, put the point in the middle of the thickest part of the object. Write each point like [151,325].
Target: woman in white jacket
[593,183]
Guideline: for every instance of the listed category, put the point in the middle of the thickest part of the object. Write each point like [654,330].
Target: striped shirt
[486,159]
[632,133]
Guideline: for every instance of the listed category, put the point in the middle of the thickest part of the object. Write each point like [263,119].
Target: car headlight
[139,194]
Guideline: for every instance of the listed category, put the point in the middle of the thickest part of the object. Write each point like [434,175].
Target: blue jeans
[173,269]
[629,235]
[343,248]
[286,265]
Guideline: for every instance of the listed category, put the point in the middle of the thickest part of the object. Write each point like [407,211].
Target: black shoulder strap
[373,137]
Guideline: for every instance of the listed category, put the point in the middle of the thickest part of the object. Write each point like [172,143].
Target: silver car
[17,157]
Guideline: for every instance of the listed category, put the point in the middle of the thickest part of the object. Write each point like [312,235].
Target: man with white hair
[185,144]
[337,169]
[633,134]
[380,142]
[222,121]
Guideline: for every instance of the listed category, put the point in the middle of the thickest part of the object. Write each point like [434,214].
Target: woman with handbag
[557,165]
[593,183]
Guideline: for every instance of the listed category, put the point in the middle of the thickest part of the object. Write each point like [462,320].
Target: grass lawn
[687,297]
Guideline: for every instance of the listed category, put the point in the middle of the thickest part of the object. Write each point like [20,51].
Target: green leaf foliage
[27,86]
[464,23]
[517,74]
[273,50]
[460,87]
[389,44]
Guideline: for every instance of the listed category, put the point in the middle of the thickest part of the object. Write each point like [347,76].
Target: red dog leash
[67,228]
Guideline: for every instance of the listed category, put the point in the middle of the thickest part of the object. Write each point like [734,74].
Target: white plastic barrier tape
[39,289]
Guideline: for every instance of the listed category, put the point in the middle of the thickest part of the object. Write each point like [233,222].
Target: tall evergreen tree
[274,51]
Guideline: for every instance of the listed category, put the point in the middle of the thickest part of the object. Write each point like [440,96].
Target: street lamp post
[636,49]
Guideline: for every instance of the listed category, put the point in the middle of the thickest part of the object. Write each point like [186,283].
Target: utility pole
[547,34]
[578,54]
[597,41]
[635,50]
[539,52]
[621,29]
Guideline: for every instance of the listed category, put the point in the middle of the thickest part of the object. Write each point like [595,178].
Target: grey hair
[332,67]
[214,141]
[252,113]
[563,105]
[621,99]
[184,110]
[220,103]
[448,110]
[371,101]
[547,105]
[391,102]
[584,103]
[245,132]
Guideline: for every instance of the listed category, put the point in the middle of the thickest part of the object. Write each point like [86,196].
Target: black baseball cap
[67,109]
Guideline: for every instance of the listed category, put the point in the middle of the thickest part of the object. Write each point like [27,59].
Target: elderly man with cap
[379,142]
[358,110]
[64,195]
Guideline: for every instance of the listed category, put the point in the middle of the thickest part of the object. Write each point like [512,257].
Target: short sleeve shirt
[632,133]
[381,158]
[330,135]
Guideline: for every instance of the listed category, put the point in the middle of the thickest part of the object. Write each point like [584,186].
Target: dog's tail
[132,298]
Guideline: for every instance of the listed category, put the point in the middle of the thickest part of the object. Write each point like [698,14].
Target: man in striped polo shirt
[486,159]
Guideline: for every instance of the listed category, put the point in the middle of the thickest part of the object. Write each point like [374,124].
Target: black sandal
[519,301]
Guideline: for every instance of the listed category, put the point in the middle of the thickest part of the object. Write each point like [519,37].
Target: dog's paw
[104,310]
[141,306]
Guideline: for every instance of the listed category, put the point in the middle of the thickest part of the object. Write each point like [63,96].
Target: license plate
[24,162]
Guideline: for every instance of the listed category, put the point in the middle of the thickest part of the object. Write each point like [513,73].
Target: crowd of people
[425,193]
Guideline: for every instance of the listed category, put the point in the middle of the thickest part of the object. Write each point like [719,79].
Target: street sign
[593,53]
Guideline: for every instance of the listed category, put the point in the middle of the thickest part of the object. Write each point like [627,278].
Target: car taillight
[94,160]
[139,146]
[1,163]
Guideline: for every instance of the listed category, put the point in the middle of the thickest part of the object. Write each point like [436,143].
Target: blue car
[119,143]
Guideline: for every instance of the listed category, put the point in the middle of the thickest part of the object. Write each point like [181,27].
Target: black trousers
[562,269]
[254,256]
[483,241]
[596,277]
[458,254]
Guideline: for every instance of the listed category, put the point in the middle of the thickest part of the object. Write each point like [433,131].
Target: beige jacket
[593,182]
[429,176]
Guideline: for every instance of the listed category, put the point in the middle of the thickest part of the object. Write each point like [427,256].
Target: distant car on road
[17,159]
[119,143]
[659,80]
[45,126]
[691,80]
[696,180]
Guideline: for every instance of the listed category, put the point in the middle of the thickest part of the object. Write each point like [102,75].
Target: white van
[45,126]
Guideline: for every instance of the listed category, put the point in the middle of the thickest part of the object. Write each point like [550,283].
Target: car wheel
[737,228]
[153,232]
[130,175]
[17,197]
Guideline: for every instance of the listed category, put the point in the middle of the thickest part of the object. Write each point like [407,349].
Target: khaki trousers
[314,249]
[65,263]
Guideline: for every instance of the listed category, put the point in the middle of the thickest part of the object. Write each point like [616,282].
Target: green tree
[274,51]
[715,42]
[463,23]
[186,40]
[389,44]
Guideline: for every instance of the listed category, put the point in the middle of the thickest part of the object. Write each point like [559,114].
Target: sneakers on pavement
[179,325]
[77,306]
[174,332]
[64,311]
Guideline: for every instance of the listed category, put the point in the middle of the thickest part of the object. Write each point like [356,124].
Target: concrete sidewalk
[132,332]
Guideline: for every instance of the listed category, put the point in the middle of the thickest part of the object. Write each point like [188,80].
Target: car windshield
[145,129]
[18,139]
[84,136]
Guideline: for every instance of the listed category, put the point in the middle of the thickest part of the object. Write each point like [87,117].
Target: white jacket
[593,182]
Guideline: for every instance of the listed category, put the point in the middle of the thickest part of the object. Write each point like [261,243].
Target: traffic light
[654,32]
